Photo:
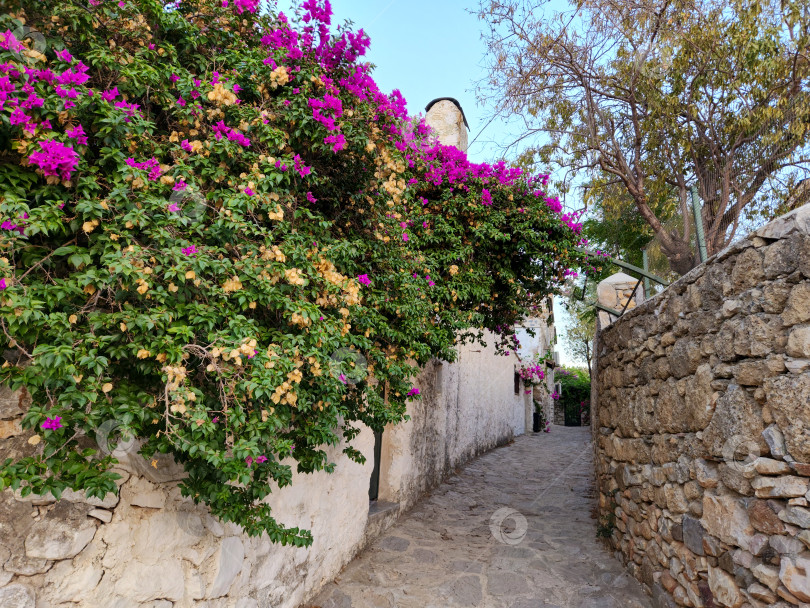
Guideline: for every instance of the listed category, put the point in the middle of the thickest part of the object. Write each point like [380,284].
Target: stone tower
[447,118]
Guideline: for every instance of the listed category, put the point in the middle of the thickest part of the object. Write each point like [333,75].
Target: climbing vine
[220,235]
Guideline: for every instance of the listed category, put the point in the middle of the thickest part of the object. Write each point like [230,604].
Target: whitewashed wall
[152,548]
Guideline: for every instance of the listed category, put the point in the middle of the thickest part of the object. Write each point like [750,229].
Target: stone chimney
[447,118]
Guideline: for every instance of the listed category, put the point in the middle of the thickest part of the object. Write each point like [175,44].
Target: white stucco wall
[152,548]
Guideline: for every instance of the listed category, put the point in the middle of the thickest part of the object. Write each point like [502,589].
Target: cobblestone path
[513,529]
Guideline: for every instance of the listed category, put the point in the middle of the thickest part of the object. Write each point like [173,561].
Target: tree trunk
[681,257]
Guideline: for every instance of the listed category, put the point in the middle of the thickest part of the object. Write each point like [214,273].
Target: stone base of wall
[702,428]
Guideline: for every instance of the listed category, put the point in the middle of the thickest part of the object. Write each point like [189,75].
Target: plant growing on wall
[219,234]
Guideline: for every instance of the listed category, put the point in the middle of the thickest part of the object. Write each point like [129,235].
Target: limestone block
[737,476]
[798,305]
[58,539]
[102,515]
[73,584]
[797,366]
[787,398]
[767,575]
[685,357]
[798,344]
[769,466]
[706,473]
[17,596]
[788,486]
[20,563]
[764,518]
[748,270]
[13,403]
[762,593]
[783,257]
[794,572]
[724,589]
[142,493]
[144,583]
[754,373]
[726,518]
[10,428]
[797,221]
[775,440]
[758,335]
[165,468]
[774,296]
[737,422]
[798,516]
[229,563]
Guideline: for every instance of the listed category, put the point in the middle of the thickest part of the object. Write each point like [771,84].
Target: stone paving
[513,529]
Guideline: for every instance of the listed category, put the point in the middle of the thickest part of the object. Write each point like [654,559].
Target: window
[517,383]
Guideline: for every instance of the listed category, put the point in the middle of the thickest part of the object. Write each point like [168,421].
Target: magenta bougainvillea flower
[190,251]
[413,392]
[64,55]
[51,424]
[55,158]
[363,278]
[486,197]
[78,134]
[109,94]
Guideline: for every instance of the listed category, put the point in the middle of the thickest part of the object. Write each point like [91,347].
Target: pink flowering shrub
[188,269]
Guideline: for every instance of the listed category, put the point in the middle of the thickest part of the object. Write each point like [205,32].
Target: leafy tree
[219,237]
[639,101]
[580,333]
[575,396]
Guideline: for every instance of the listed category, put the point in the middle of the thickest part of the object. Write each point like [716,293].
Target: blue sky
[429,49]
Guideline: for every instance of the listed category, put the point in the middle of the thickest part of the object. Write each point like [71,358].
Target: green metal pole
[646,262]
[626,266]
[701,236]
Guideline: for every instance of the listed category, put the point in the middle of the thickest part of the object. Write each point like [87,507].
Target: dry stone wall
[702,428]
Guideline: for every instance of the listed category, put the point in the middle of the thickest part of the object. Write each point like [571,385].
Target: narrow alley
[512,529]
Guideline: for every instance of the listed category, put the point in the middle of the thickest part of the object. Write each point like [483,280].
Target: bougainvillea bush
[219,234]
